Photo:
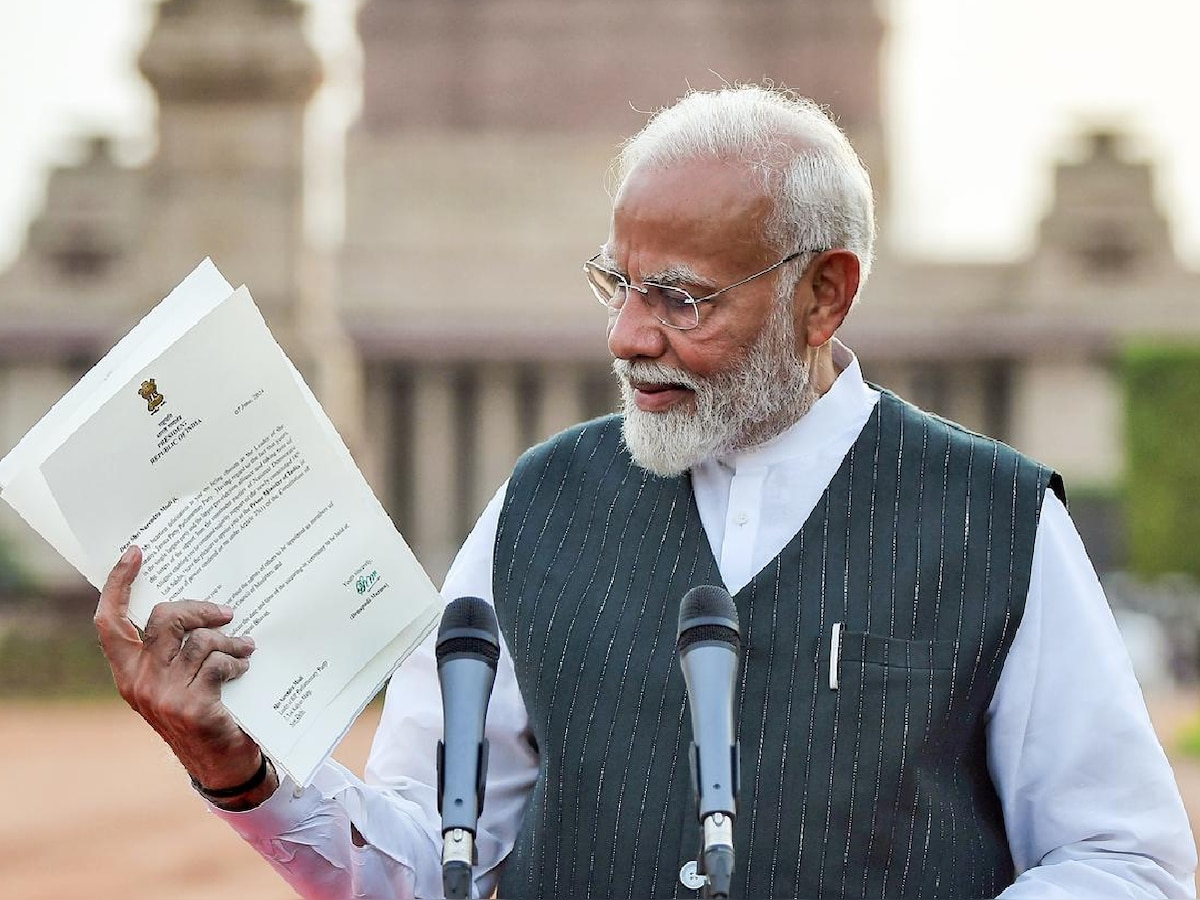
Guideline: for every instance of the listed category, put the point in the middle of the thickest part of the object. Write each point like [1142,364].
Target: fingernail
[227,610]
[249,641]
[129,554]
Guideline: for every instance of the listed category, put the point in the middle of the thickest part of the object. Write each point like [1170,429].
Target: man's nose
[634,331]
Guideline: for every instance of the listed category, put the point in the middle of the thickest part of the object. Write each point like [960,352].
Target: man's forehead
[692,180]
[675,220]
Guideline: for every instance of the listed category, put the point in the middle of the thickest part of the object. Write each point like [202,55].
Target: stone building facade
[454,329]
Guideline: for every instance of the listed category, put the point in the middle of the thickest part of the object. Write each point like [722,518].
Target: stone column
[434,535]
[497,431]
[562,399]
[965,390]
[378,449]
[1067,414]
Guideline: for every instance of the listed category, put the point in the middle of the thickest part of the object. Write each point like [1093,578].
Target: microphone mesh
[469,612]
[707,601]
[707,613]
[472,646]
[709,632]
[469,626]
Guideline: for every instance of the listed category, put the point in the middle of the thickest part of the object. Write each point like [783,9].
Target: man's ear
[823,303]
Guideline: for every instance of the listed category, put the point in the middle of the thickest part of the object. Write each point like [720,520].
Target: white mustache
[654,373]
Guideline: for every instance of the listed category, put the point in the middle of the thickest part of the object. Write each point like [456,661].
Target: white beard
[755,400]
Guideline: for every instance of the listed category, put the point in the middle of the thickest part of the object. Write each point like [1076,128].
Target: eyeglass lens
[671,306]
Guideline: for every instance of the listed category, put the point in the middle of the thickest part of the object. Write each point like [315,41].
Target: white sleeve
[305,835]
[1090,802]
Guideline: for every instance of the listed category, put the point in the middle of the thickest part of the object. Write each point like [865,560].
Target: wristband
[237,790]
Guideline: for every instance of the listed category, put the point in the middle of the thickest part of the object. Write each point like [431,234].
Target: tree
[1162,483]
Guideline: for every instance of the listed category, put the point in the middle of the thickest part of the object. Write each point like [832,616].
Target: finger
[169,623]
[203,641]
[220,667]
[118,638]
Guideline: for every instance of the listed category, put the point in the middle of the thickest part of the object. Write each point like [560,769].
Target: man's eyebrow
[678,274]
[604,258]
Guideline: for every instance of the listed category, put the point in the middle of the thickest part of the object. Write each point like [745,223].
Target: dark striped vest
[921,549]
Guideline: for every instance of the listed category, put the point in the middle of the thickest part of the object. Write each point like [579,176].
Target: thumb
[118,638]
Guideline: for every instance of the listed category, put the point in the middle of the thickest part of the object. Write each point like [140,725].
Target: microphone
[709,644]
[468,647]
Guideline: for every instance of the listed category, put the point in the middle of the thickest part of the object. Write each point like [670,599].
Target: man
[934,701]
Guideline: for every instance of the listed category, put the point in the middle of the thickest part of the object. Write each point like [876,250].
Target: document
[197,440]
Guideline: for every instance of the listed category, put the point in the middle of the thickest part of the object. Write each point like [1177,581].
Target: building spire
[220,50]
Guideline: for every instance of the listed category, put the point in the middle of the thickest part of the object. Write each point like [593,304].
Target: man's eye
[673,297]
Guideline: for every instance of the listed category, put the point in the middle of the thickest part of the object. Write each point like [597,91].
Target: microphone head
[707,613]
[469,628]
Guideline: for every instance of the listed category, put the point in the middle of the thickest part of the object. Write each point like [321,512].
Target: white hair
[821,189]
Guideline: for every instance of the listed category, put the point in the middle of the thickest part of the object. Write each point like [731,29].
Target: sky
[981,97]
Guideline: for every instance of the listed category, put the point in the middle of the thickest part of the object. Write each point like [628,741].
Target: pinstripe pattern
[921,547]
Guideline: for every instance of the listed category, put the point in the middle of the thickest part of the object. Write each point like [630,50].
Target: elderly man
[934,703]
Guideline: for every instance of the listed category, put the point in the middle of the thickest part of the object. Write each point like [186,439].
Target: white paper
[194,297]
[234,483]
[20,474]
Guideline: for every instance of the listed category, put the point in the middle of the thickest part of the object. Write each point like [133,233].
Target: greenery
[13,577]
[1189,739]
[63,663]
[1162,485]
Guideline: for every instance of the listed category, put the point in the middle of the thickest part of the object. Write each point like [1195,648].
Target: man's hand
[173,675]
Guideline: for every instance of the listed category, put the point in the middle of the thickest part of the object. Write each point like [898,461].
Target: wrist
[246,794]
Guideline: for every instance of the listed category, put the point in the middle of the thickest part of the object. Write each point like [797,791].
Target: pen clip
[835,652]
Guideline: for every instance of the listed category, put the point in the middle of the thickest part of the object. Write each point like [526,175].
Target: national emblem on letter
[149,393]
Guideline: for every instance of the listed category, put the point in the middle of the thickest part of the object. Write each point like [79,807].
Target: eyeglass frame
[693,302]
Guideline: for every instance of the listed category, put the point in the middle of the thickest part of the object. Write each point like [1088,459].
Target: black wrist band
[237,790]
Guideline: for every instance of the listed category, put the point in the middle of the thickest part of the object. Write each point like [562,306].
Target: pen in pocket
[835,652]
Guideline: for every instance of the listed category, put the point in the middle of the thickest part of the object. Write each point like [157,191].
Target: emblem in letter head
[149,393]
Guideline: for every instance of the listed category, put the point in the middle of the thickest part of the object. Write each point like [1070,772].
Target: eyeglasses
[673,306]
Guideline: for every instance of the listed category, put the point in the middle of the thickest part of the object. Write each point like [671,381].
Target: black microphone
[468,647]
[709,644]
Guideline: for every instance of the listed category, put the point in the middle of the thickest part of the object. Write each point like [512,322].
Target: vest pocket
[877,674]
[877,736]
[890,652]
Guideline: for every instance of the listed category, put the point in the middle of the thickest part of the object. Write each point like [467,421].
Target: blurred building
[454,328]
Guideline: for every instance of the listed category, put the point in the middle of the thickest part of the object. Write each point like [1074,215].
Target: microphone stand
[716,860]
[709,645]
[467,651]
[458,856]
